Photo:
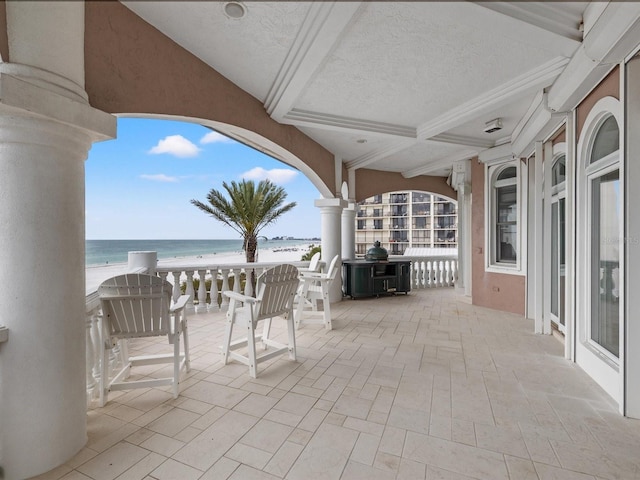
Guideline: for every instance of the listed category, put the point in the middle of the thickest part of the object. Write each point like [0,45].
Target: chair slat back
[314,264]
[332,270]
[276,288]
[136,305]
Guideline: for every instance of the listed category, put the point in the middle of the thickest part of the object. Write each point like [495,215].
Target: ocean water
[102,252]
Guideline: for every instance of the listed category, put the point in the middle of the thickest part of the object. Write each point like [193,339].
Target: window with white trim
[503,217]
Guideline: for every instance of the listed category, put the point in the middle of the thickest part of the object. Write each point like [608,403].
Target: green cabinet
[367,279]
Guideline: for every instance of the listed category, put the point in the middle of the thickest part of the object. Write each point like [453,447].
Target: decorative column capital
[329,204]
[39,97]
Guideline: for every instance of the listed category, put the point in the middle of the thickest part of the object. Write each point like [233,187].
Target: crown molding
[321,30]
[339,123]
[439,164]
[463,140]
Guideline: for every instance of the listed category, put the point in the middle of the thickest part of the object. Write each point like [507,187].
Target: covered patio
[404,387]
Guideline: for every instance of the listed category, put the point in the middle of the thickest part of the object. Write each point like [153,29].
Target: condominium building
[403,219]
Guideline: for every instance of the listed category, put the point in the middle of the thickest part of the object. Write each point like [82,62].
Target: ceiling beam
[463,140]
[544,15]
[379,154]
[319,34]
[439,164]
[504,94]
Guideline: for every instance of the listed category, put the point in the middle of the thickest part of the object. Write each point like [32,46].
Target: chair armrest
[238,296]
[180,303]
[312,276]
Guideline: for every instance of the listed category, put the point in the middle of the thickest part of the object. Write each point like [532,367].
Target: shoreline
[96,274]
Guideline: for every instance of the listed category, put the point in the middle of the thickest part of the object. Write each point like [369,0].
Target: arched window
[606,140]
[503,214]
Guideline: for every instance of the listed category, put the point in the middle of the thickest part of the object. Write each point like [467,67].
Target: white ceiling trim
[463,140]
[378,154]
[439,164]
[547,16]
[346,124]
[322,28]
[503,94]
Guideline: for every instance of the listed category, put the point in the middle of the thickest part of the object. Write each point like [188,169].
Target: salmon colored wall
[492,290]
[609,87]
[4,36]
[132,68]
[374,182]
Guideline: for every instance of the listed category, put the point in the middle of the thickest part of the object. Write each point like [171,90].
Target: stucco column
[46,130]
[349,231]
[330,218]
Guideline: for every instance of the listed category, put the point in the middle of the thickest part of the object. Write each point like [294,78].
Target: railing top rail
[223,266]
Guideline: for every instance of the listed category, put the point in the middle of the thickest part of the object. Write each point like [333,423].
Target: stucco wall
[374,182]
[492,290]
[610,86]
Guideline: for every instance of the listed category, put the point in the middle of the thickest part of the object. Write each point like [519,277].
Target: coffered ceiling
[396,86]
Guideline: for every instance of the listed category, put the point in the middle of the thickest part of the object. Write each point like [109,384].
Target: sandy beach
[95,275]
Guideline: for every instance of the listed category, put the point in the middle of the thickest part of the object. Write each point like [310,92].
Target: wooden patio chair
[275,292]
[138,305]
[314,264]
[314,286]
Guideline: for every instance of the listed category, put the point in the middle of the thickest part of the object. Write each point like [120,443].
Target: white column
[46,130]
[330,218]
[462,183]
[349,231]
[538,266]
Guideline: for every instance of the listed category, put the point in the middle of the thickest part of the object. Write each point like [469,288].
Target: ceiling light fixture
[361,140]
[235,9]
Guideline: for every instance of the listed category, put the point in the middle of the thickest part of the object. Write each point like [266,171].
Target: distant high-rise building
[399,220]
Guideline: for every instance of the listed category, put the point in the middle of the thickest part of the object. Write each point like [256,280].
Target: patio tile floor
[424,386]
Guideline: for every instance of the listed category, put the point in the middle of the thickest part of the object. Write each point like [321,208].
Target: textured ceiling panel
[248,51]
[404,63]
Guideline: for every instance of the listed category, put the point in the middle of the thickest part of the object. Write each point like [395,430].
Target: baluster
[214,292]
[446,271]
[421,280]
[237,280]
[202,292]
[162,275]
[90,358]
[225,286]
[189,290]
[176,285]
[248,287]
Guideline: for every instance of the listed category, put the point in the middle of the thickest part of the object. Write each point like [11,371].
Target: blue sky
[139,186]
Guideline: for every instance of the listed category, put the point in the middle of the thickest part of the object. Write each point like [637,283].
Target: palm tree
[248,210]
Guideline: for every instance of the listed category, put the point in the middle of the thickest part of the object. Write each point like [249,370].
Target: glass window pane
[506,197]
[509,172]
[562,258]
[506,251]
[605,261]
[558,171]
[607,140]
[555,264]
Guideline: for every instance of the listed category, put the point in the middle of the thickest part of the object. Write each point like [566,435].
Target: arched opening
[407,219]
[139,187]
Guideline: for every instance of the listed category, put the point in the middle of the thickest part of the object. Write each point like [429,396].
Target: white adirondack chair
[275,291]
[138,305]
[314,264]
[314,286]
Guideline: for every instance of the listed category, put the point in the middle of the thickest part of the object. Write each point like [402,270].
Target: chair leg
[266,331]
[104,377]
[227,339]
[291,331]
[251,349]
[176,365]
[326,306]
[185,339]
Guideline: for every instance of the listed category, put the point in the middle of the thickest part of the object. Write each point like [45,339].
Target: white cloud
[276,175]
[215,137]
[160,177]
[176,145]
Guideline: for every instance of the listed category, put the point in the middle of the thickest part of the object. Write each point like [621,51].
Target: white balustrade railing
[206,296]
[432,272]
